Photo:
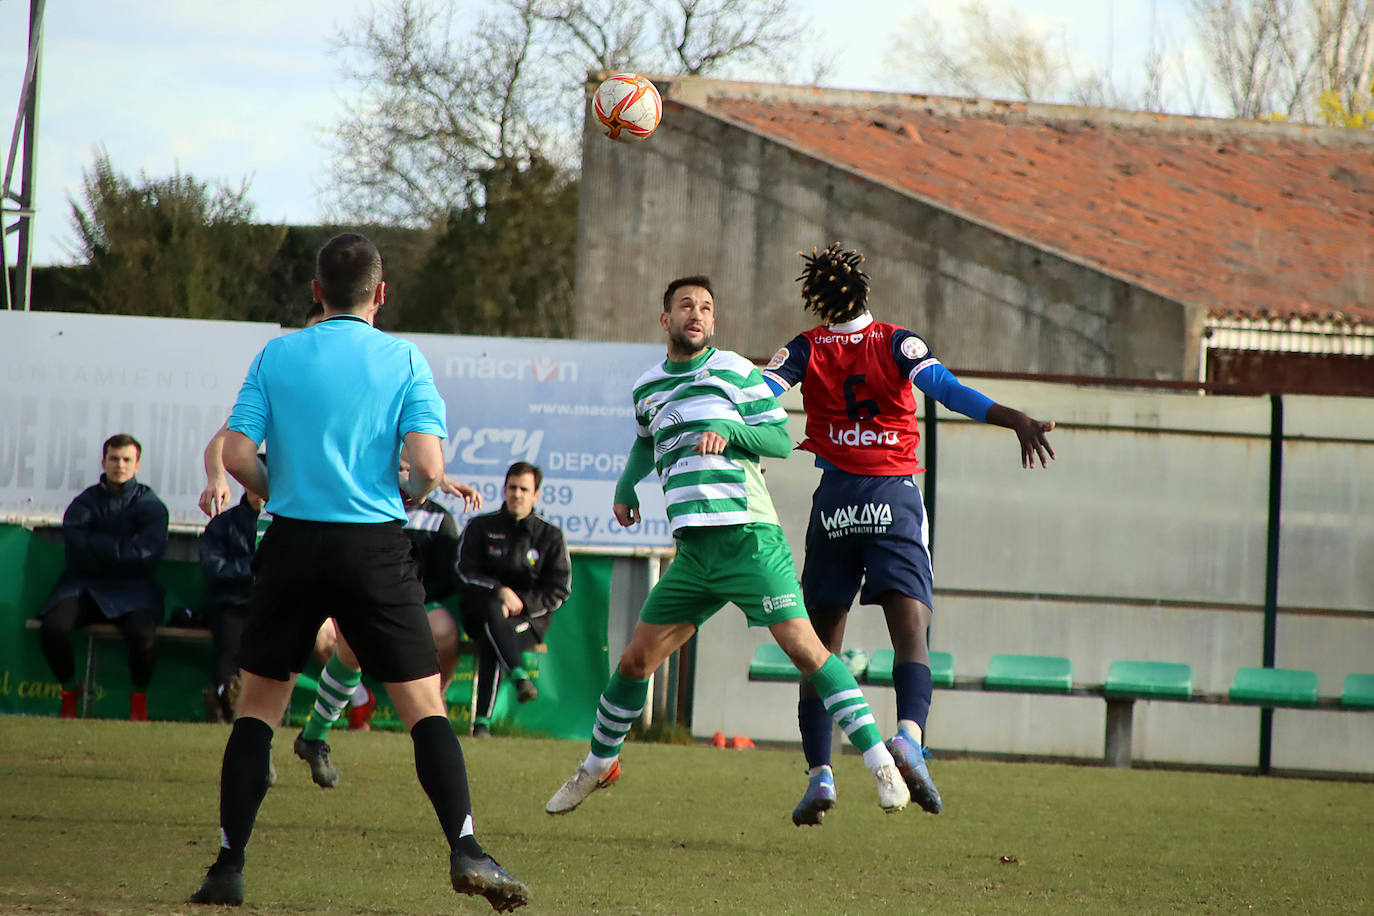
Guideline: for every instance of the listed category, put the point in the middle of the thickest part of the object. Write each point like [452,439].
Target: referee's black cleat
[316,753]
[525,691]
[481,876]
[223,888]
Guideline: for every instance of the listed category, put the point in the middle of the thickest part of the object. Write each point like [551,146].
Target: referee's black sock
[444,777]
[242,785]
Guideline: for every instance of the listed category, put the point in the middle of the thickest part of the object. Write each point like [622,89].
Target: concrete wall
[1146,539]
[706,196]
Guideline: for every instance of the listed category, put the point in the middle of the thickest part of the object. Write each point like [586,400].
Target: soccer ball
[628,107]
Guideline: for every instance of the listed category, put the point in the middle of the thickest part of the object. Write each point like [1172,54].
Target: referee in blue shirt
[334,404]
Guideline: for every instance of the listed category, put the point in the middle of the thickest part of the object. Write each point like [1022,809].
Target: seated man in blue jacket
[115,533]
[226,562]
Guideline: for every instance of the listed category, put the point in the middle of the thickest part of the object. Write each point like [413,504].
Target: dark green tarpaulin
[570,676]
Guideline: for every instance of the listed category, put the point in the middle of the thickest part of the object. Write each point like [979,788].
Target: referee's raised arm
[334,404]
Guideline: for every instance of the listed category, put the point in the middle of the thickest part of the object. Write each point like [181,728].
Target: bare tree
[706,35]
[434,110]
[694,37]
[986,54]
[1001,56]
[446,95]
[1289,58]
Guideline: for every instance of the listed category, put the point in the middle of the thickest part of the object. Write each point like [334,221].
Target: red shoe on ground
[358,716]
[69,698]
[138,707]
[740,742]
[718,739]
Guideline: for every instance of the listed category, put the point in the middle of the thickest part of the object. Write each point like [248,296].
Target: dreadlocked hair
[833,286]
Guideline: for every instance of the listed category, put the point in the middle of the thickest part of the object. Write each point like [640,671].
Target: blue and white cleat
[819,798]
[911,763]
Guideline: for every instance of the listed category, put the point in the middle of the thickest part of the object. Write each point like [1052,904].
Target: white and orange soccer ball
[628,107]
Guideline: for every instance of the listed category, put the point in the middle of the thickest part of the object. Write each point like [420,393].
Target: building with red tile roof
[1015,237]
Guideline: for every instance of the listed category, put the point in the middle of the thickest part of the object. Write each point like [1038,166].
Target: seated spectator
[513,572]
[226,561]
[114,534]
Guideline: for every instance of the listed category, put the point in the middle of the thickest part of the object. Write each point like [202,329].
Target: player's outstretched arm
[1030,431]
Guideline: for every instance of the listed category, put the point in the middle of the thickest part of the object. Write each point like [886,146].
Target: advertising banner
[71,381]
[562,405]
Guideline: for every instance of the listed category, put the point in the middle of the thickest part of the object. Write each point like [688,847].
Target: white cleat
[893,794]
[584,782]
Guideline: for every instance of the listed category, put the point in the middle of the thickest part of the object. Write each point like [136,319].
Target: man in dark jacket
[115,533]
[514,572]
[226,562]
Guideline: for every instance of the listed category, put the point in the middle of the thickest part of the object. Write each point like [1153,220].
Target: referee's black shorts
[362,575]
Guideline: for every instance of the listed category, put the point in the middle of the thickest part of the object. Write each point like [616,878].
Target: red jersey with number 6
[856,390]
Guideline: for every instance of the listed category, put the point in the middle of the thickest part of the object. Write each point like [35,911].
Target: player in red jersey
[867,518]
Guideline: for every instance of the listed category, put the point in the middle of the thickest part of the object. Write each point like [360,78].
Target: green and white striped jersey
[674,404]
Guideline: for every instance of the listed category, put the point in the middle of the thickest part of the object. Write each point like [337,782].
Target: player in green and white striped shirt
[704,417]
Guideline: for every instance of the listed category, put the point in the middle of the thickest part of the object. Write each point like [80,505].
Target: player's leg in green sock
[844,701]
[337,681]
[620,704]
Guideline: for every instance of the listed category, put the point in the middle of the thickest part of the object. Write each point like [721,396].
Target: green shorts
[749,565]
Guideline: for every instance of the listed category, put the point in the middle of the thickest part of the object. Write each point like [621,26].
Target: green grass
[119,818]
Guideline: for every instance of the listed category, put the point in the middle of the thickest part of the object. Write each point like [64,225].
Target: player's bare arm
[1029,431]
[214,499]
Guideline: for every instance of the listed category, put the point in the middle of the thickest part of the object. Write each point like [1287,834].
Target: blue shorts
[870,531]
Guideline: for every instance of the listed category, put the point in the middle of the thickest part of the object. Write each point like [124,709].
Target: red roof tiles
[1242,219]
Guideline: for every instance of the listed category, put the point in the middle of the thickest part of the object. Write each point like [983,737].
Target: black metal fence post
[1271,567]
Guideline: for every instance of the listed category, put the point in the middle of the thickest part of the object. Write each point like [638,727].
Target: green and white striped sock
[846,704]
[620,704]
[337,682]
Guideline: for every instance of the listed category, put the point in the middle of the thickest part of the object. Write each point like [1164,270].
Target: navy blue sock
[815,723]
[242,787]
[911,680]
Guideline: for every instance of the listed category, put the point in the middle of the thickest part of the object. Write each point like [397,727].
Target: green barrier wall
[570,676]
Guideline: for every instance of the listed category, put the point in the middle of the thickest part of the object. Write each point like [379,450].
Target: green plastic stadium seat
[1030,674]
[880,669]
[770,663]
[1147,680]
[1274,687]
[942,669]
[1358,691]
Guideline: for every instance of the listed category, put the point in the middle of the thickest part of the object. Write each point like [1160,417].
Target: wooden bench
[1127,681]
[97,631]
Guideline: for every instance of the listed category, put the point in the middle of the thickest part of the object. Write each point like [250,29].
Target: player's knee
[444,629]
[326,640]
[635,663]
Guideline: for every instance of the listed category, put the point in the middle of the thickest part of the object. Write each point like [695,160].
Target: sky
[243,89]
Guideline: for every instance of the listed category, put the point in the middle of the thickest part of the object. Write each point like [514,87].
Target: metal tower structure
[23,148]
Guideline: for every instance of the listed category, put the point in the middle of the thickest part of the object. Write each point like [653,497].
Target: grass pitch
[120,818]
